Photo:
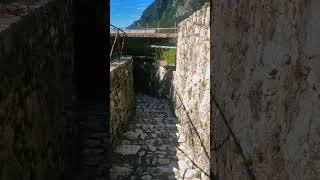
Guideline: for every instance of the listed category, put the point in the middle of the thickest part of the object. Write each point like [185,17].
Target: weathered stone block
[121,96]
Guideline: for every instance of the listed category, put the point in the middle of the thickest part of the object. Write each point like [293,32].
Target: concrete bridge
[148,32]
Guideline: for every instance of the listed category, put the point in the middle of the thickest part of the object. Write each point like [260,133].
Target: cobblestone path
[93,141]
[150,147]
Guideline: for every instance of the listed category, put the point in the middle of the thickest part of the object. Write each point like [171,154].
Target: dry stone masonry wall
[266,79]
[190,91]
[37,125]
[165,77]
[121,96]
[152,76]
[145,75]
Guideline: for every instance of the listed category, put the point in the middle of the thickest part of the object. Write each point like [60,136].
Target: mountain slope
[167,12]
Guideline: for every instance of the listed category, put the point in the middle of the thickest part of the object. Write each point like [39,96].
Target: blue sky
[124,12]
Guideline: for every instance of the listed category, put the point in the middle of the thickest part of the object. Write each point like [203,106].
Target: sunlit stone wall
[190,90]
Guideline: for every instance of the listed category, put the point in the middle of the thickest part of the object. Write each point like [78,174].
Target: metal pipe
[114,42]
[118,28]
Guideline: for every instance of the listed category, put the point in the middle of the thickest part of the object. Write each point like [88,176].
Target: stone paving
[93,140]
[152,146]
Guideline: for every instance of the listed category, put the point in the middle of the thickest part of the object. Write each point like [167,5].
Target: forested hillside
[167,12]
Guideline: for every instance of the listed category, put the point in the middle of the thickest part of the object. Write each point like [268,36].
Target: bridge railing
[147,30]
[118,48]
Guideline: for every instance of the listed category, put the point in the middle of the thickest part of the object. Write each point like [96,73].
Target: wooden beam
[164,47]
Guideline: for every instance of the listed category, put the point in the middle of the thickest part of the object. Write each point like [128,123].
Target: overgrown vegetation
[169,56]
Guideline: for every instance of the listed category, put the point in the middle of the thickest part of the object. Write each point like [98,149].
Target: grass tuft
[169,55]
[197,173]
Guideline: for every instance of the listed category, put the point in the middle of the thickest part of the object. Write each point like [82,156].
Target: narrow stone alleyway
[152,147]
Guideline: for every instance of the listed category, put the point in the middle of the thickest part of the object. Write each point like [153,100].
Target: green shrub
[169,55]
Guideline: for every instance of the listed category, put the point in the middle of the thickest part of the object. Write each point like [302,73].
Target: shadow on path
[93,140]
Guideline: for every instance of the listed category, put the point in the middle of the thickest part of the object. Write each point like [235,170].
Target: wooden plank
[164,47]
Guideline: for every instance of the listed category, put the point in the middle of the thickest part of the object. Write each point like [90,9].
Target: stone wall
[165,78]
[145,75]
[121,96]
[37,125]
[191,93]
[266,79]
[152,77]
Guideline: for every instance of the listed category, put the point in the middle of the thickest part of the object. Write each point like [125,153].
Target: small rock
[141,153]
[128,149]
[163,161]
[138,131]
[146,177]
[131,135]
[161,152]
[160,141]
[143,135]
[163,147]
[152,148]
[163,169]
[160,155]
